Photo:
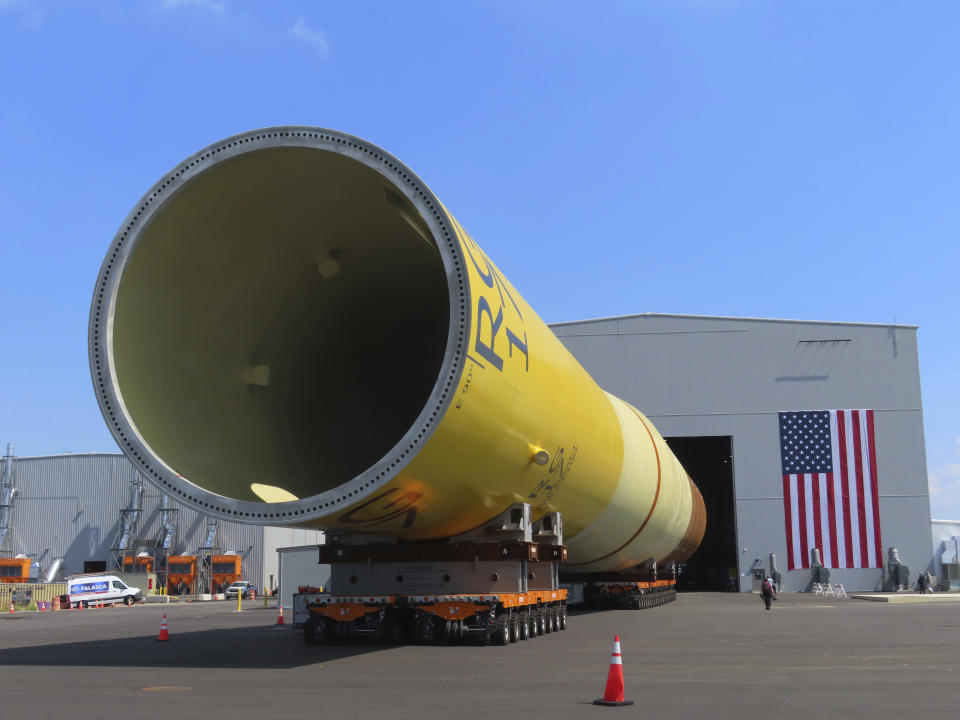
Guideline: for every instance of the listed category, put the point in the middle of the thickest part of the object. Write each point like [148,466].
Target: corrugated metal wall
[69,506]
[716,376]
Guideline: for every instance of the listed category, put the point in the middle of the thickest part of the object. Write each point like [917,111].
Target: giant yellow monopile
[290,329]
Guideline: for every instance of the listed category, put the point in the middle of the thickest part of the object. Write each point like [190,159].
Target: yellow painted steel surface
[624,496]
[515,417]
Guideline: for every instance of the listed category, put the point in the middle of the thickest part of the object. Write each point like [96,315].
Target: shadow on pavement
[220,648]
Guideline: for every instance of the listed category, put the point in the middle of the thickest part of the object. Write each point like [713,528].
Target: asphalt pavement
[703,656]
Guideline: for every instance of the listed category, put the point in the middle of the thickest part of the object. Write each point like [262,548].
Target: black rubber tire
[390,633]
[128,601]
[514,629]
[524,628]
[563,617]
[310,631]
[499,632]
[449,632]
[546,618]
[426,632]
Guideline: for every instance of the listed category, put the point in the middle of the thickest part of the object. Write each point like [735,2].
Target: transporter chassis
[496,585]
[628,594]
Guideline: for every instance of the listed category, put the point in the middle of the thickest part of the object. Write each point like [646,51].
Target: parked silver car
[240,586]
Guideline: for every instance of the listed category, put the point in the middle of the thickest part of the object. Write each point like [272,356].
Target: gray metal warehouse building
[715,388]
[91,510]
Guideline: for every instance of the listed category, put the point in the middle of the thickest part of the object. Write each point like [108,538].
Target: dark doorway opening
[92,566]
[709,461]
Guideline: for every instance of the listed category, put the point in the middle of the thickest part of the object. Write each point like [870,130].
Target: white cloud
[210,5]
[945,477]
[317,38]
[32,16]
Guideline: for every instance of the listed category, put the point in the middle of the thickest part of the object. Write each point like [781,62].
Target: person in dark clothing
[766,592]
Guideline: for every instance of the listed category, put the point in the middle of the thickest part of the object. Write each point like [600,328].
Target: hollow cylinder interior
[279,324]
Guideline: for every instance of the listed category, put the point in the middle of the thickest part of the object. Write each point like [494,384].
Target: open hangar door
[709,461]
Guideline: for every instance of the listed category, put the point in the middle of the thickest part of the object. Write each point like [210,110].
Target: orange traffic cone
[11,608]
[280,616]
[164,635]
[613,694]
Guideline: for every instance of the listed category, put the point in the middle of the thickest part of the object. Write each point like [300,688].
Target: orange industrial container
[226,570]
[138,564]
[181,573]
[14,570]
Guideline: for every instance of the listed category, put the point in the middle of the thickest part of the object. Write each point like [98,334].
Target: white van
[108,589]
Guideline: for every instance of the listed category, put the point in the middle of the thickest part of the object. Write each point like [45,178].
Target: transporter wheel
[449,631]
[523,628]
[536,618]
[555,616]
[562,617]
[514,629]
[390,633]
[310,627]
[500,632]
[426,632]
[546,618]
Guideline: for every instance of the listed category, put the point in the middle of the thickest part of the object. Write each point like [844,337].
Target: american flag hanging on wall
[830,497]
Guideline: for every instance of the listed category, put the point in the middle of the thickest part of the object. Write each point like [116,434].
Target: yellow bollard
[239,596]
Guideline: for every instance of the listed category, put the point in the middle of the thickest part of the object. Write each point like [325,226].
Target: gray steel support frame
[458,577]
[8,492]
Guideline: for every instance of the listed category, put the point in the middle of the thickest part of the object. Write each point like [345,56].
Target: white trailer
[299,567]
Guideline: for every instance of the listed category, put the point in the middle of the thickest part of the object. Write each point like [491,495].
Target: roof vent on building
[812,360]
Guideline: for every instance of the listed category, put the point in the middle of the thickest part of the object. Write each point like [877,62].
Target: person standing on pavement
[766,592]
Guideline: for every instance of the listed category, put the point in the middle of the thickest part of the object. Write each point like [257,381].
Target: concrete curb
[905,598]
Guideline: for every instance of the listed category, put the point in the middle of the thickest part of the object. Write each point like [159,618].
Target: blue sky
[766,159]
